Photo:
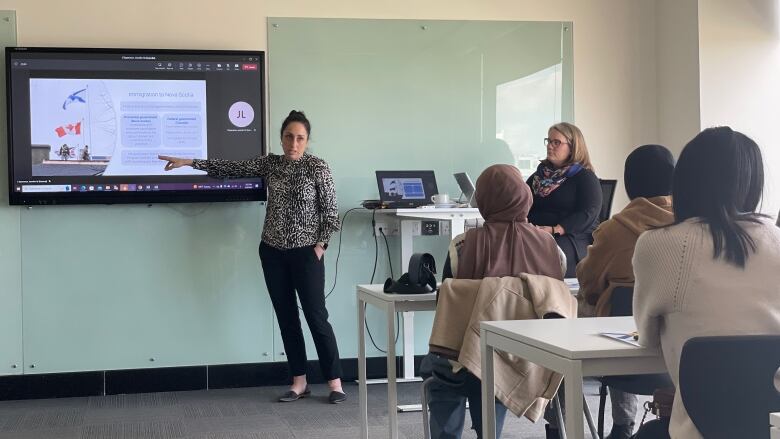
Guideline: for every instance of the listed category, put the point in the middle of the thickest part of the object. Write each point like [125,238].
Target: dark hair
[296,116]
[648,172]
[719,178]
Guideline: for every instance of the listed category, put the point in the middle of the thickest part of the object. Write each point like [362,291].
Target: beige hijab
[507,245]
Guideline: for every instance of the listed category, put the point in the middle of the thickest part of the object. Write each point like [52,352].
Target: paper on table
[625,337]
[572,283]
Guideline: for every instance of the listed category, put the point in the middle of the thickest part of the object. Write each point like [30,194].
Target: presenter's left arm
[327,204]
[588,204]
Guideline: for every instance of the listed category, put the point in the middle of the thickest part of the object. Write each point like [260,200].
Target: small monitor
[467,188]
[406,188]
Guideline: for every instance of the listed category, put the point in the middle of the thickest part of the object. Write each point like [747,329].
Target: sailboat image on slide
[101,122]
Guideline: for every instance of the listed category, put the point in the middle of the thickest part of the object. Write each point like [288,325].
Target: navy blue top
[575,204]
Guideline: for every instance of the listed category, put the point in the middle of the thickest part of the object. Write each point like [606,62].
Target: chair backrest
[727,384]
[621,303]
[607,194]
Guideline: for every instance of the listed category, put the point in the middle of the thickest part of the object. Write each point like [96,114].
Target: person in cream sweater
[716,270]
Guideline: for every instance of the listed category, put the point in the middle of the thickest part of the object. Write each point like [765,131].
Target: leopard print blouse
[302,207]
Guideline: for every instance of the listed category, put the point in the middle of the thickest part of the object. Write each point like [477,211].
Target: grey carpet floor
[246,413]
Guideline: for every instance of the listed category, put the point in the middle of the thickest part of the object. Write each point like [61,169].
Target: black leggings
[298,269]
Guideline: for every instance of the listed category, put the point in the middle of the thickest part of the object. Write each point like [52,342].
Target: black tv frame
[134,197]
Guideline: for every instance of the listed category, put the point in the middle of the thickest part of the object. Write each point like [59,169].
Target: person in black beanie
[648,172]
[648,180]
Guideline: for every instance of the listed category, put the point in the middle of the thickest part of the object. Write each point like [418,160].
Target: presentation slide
[404,188]
[116,127]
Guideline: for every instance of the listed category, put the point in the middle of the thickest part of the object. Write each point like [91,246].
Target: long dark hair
[719,179]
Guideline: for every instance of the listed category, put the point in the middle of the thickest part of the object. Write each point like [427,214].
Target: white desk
[457,218]
[390,303]
[571,347]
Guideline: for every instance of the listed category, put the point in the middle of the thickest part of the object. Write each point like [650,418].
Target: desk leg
[362,385]
[392,391]
[488,391]
[407,250]
[457,226]
[408,330]
[573,386]
[407,244]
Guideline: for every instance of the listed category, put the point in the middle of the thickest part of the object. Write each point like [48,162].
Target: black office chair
[727,384]
[607,194]
[621,304]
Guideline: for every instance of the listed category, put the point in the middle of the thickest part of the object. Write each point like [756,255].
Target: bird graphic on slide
[74,97]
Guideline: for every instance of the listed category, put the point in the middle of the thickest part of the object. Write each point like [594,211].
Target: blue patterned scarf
[548,179]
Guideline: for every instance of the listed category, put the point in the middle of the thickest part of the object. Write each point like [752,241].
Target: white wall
[740,77]
[677,55]
[614,61]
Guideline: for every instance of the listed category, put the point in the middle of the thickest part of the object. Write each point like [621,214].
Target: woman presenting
[301,216]
[567,194]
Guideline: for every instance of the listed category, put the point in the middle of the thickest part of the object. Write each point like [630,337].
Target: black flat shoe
[292,395]
[337,397]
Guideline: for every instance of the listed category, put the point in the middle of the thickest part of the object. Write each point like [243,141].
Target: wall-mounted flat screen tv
[85,126]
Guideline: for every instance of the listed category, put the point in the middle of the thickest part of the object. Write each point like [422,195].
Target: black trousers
[575,247]
[298,269]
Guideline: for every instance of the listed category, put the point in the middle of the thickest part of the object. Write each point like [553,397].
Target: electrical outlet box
[444,228]
[416,231]
[389,229]
[429,228]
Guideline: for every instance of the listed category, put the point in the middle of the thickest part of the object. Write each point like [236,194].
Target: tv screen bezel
[138,197]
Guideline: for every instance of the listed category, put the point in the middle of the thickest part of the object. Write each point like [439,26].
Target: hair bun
[296,116]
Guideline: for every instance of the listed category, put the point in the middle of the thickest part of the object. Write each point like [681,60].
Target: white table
[391,304]
[571,347]
[774,425]
[457,218]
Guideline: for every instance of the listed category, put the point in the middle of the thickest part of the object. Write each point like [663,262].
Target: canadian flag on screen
[71,128]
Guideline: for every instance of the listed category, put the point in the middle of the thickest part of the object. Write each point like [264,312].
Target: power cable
[338,253]
[373,273]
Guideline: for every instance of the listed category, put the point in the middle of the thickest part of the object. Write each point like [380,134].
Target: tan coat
[523,387]
[608,263]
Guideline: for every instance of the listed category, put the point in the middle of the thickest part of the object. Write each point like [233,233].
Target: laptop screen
[467,187]
[408,188]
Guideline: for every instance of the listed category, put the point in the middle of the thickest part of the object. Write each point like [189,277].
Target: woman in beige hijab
[507,245]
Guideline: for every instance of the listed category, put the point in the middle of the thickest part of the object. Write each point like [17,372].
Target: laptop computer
[467,188]
[398,189]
